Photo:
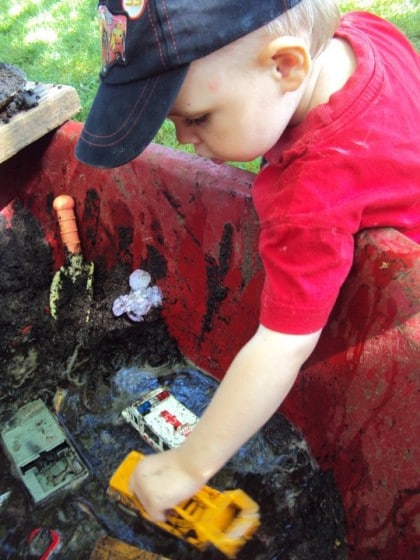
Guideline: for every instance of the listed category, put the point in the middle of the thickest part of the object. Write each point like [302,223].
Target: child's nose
[185,134]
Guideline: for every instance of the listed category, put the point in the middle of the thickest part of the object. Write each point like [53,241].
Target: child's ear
[290,61]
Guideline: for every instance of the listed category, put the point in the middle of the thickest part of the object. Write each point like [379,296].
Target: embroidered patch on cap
[134,8]
[113,29]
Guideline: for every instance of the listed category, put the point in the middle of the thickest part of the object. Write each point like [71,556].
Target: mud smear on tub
[88,371]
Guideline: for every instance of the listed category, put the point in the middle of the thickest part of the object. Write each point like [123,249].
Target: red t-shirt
[353,163]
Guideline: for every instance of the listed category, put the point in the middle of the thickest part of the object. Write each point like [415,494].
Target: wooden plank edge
[56,105]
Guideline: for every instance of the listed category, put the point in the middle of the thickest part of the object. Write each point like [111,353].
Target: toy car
[161,420]
[43,543]
[226,520]
[43,457]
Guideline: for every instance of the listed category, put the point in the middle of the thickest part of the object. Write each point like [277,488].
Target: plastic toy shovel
[75,270]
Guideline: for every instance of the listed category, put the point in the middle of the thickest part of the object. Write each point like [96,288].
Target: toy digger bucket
[74,270]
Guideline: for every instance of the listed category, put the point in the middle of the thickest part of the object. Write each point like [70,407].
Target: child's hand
[162,481]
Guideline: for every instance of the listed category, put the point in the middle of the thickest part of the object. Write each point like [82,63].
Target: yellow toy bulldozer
[226,520]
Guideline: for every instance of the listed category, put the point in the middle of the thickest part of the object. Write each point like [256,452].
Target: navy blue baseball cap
[147,47]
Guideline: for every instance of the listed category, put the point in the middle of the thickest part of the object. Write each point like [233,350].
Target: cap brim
[124,119]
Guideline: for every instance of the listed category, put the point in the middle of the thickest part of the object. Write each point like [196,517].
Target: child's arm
[254,386]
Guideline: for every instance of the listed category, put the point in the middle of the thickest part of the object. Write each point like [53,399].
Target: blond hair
[315,21]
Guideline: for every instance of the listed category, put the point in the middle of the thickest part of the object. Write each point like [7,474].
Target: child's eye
[198,121]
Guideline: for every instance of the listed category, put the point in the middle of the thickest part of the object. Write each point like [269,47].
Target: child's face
[230,107]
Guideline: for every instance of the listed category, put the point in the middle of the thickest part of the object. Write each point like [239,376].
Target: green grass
[405,14]
[53,42]
[57,41]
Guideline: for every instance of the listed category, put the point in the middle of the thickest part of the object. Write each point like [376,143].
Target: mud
[12,80]
[100,366]
[36,351]
[15,96]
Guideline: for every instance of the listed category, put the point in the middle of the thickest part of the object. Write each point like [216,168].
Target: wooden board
[56,105]
[108,548]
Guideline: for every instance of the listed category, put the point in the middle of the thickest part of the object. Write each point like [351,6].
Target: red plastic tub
[356,400]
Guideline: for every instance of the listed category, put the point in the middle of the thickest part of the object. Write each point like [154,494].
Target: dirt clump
[12,80]
[15,96]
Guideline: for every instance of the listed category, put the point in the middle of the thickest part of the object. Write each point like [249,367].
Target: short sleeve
[304,271]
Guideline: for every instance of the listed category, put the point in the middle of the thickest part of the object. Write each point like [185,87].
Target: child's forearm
[256,383]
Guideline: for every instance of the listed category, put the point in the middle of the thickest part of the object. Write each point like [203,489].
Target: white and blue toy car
[162,421]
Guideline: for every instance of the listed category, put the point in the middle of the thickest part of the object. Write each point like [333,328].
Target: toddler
[332,106]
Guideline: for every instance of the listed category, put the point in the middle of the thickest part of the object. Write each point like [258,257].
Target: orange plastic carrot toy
[74,267]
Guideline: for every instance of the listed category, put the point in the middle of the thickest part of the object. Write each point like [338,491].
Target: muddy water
[100,366]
